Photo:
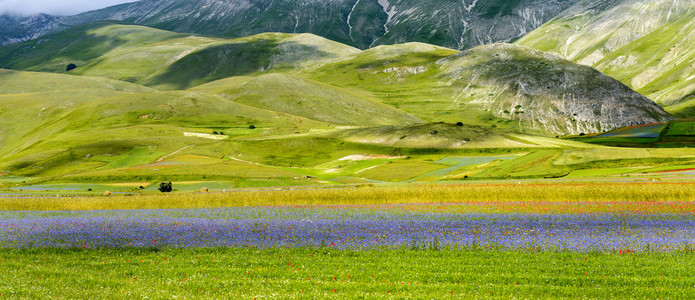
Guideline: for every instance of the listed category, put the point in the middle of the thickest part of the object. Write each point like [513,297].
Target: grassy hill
[314,100]
[658,65]
[16,82]
[590,30]
[286,110]
[645,44]
[32,103]
[108,118]
[503,85]
[167,60]
[80,45]
[498,85]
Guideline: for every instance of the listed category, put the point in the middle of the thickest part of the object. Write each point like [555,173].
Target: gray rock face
[467,23]
[18,29]
[460,24]
[644,44]
[544,91]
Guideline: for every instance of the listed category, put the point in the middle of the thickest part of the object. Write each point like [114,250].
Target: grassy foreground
[327,273]
[425,272]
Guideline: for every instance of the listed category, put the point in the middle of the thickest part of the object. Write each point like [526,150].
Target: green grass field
[341,274]
[422,272]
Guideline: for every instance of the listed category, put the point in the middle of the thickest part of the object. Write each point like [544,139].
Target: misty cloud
[54,7]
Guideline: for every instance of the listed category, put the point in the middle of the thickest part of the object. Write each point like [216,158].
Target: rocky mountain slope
[645,44]
[501,84]
[362,23]
[547,91]
[15,29]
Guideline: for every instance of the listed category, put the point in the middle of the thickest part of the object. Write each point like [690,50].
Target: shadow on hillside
[236,59]
[75,46]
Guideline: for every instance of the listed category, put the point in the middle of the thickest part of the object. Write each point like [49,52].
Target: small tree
[252,126]
[70,67]
[165,187]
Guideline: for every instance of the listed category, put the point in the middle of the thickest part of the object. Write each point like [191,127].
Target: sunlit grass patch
[398,194]
[328,273]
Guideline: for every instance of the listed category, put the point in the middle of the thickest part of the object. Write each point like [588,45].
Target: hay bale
[204,190]
[107,193]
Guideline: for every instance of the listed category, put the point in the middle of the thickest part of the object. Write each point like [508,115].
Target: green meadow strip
[241,273]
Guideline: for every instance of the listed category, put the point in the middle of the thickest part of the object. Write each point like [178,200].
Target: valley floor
[503,240]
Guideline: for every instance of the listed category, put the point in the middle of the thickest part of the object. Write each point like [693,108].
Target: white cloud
[54,7]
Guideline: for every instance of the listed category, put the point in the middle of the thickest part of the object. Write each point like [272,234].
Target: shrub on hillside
[165,187]
[70,67]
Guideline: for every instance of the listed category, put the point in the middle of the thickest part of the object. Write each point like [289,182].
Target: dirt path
[173,153]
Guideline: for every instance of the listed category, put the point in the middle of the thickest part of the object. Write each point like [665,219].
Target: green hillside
[593,29]
[504,85]
[645,44]
[658,65]
[81,45]
[146,105]
[435,136]
[34,103]
[501,86]
[16,82]
[167,60]
[258,54]
[314,100]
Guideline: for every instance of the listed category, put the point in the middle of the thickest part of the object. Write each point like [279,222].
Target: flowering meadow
[491,248]
[352,227]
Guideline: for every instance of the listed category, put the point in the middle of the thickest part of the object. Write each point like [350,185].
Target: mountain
[15,29]
[361,23]
[548,91]
[645,44]
[147,105]
[505,86]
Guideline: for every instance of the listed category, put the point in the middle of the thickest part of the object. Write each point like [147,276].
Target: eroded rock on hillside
[543,90]
[18,29]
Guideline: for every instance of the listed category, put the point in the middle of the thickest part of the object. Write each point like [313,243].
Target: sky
[54,7]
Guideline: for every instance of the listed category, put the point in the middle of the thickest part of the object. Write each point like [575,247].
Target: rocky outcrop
[545,91]
[18,29]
